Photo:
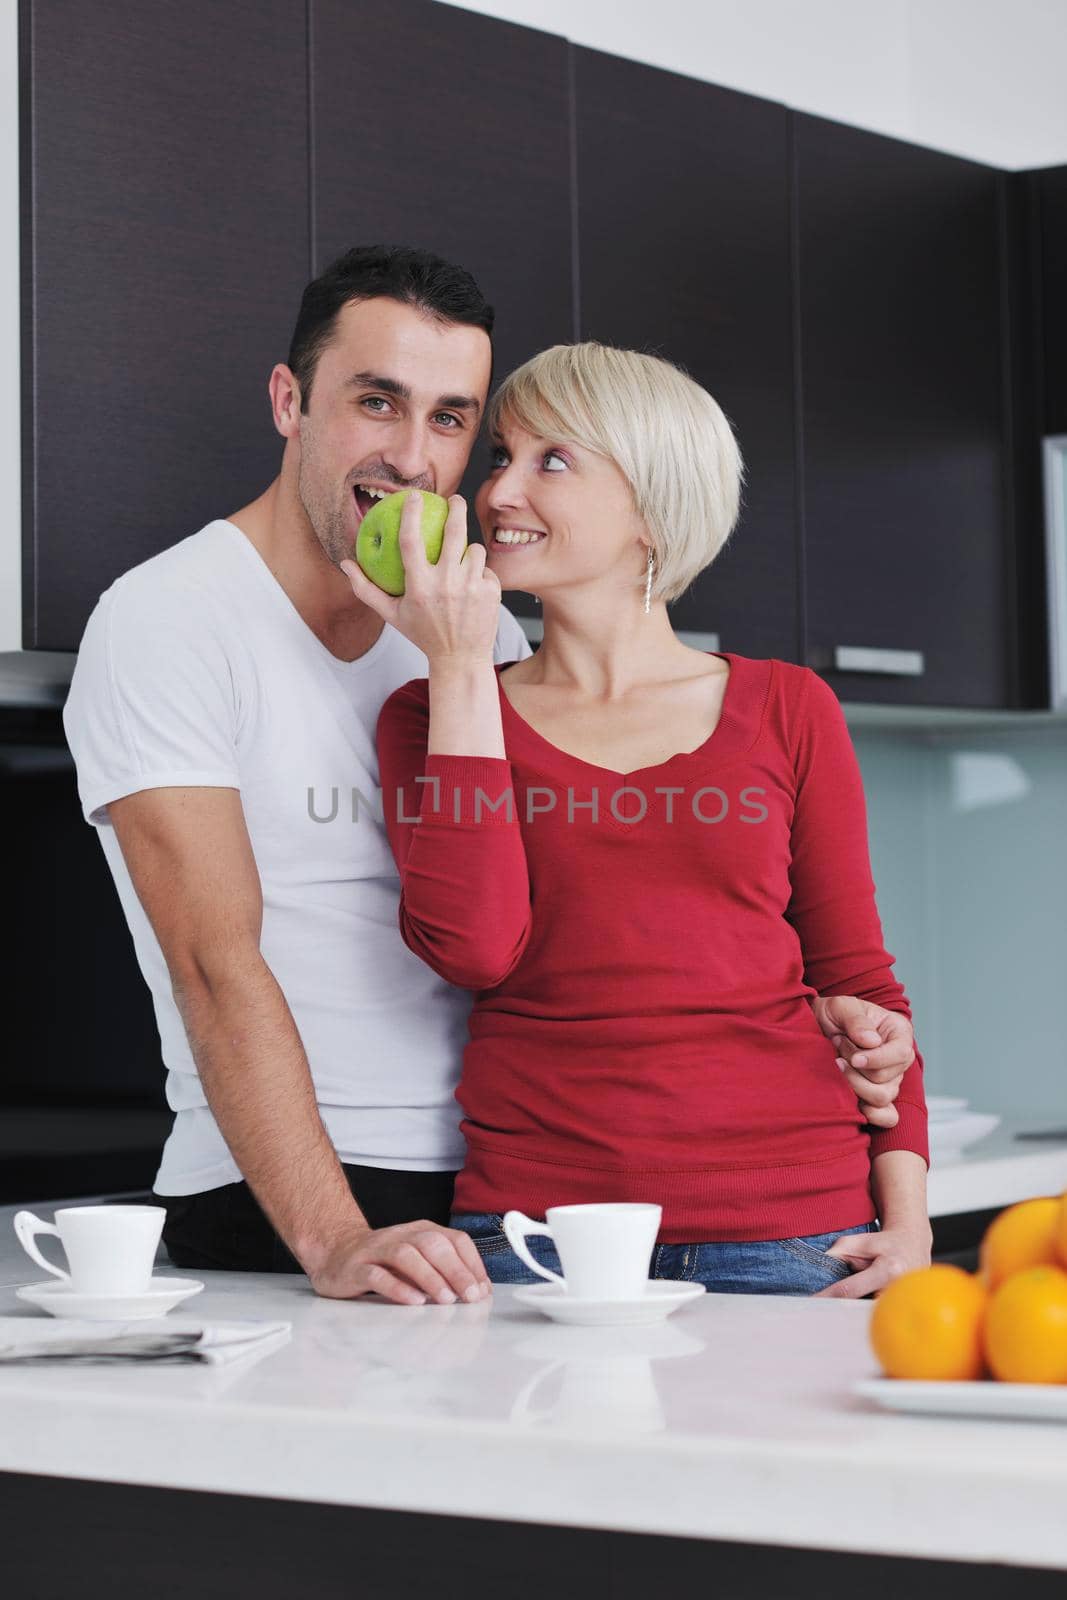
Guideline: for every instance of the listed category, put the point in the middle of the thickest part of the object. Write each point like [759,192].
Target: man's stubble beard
[328,523]
[333,536]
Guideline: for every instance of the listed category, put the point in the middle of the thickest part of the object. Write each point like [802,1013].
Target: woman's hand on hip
[878,1258]
[449,610]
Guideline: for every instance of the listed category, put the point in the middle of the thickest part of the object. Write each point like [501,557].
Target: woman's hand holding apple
[449,610]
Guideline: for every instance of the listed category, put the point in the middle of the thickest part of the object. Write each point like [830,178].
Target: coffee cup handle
[26,1226]
[516,1226]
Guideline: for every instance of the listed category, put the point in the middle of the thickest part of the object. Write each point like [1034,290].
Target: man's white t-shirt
[197,669]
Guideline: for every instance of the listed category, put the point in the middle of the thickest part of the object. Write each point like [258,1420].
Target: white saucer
[658,1301]
[59,1300]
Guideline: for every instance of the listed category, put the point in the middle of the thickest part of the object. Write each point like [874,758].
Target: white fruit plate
[1027,1402]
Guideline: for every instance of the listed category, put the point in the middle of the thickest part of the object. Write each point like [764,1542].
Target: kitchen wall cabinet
[683,251]
[1039,337]
[1023,337]
[906,472]
[165,246]
[1051,187]
[436,127]
[855,303]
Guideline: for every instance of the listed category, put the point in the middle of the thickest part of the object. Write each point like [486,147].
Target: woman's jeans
[797,1266]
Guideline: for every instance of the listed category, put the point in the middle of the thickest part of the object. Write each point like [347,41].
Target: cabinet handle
[534,629]
[858,658]
[1055,470]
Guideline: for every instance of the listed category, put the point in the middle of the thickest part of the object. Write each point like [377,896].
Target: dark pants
[227,1229]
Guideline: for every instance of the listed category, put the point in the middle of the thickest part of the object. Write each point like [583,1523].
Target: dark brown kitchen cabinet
[863,309]
[1051,187]
[435,127]
[1038,339]
[1039,333]
[906,505]
[165,245]
[683,251]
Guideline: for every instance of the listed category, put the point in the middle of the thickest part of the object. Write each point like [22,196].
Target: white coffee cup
[110,1249]
[605,1250]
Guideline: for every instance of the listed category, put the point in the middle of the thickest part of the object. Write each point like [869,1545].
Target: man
[222,716]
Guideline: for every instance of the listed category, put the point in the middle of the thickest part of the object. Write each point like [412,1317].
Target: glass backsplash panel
[968,839]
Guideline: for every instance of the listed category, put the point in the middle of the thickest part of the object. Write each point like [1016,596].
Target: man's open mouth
[366,495]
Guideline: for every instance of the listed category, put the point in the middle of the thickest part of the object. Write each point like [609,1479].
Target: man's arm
[191,862]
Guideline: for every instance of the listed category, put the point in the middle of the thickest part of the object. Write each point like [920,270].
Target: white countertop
[733,1420]
[999,1170]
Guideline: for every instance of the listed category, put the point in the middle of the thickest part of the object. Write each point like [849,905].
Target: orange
[1061,1235]
[1022,1236]
[1026,1327]
[928,1324]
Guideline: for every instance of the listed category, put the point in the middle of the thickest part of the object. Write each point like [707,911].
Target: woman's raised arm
[455,835]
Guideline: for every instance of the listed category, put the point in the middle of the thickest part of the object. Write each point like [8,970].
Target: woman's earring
[648,581]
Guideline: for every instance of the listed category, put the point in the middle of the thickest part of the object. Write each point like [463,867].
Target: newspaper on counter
[26,1341]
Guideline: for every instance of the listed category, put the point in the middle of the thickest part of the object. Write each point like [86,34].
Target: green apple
[377,549]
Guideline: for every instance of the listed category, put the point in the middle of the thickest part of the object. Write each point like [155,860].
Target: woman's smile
[517,538]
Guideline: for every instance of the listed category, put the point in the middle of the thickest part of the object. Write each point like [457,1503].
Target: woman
[648,861]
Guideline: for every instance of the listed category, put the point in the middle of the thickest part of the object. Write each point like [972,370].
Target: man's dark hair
[394,272]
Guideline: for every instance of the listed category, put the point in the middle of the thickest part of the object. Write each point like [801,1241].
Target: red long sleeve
[645,950]
[833,904]
[464,891]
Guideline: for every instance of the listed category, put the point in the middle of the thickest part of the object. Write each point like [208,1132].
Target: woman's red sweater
[644,950]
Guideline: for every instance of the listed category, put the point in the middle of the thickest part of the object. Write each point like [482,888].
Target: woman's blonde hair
[668,437]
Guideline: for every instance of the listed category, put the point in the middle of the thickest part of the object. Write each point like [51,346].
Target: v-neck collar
[285,605]
[731,735]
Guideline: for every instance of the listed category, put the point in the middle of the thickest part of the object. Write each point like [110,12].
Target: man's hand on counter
[410,1264]
[875,1048]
